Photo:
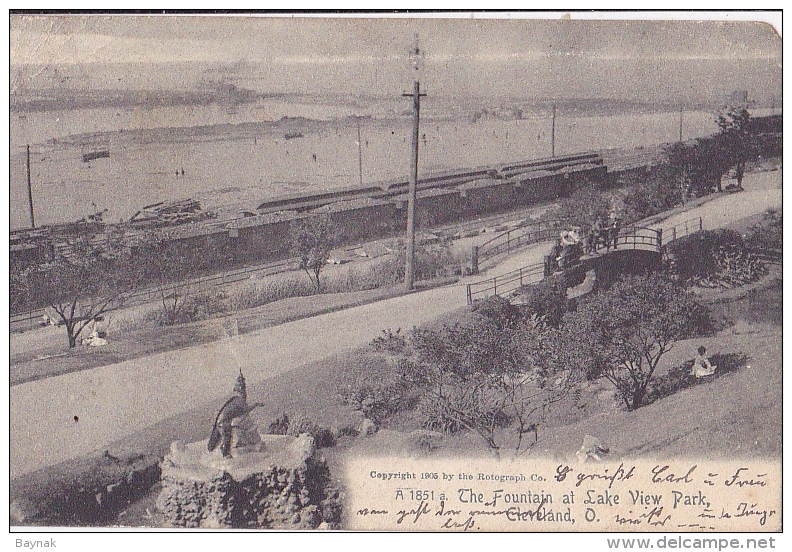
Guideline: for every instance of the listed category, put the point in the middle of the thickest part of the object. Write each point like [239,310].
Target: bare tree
[168,266]
[88,276]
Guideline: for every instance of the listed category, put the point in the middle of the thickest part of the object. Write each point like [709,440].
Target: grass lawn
[52,358]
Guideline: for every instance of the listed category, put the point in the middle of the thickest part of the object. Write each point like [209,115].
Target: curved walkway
[67,416]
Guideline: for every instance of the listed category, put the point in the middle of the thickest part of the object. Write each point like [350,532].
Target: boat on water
[90,156]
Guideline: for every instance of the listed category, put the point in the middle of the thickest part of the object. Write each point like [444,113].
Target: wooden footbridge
[636,247]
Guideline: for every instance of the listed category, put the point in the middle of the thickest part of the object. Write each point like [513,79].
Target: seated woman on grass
[701,365]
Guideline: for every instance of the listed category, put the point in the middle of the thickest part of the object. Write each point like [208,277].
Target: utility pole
[360,153]
[680,123]
[409,272]
[552,134]
[29,189]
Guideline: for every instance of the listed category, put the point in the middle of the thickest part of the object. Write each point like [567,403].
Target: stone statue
[233,426]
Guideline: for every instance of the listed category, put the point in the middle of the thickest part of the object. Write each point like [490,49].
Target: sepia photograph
[429,271]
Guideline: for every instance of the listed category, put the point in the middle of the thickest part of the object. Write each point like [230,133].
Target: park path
[68,416]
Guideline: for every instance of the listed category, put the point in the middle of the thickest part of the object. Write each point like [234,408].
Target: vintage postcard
[418,272]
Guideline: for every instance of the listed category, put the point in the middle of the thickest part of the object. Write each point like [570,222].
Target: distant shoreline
[172,153]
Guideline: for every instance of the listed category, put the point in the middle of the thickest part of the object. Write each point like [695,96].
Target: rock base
[282,486]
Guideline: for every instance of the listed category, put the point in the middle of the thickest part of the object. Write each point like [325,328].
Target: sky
[637,60]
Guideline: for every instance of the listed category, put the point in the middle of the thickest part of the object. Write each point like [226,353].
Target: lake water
[239,166]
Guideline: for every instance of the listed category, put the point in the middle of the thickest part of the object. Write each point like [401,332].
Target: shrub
[391,342]
[379,273]
[498,310]
[431,259]
[376,402]
[547,300]
[242,298]
[373,385]
[694,257]
[435,260]
[767,236]
[736,267]
[323,437]
[194,308]
[481,378]
[279,426]
[718,257]
[262,293]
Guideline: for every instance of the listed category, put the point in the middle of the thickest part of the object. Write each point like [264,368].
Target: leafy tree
[662,189]
[312,240]
[700,164]
[733,124]
[88,276]
[585,207]
[622,333]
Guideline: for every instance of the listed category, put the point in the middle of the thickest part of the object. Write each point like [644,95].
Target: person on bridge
[555,256]
[593,237]
[570,255]
[615,227]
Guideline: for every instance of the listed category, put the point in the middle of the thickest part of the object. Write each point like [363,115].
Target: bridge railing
[634,237]
[505,283]
[690,226]
[512,239]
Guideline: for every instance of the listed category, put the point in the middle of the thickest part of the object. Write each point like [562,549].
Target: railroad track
[31,318]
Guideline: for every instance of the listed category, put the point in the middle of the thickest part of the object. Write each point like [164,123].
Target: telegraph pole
[360,153]
[29,189]
[552,134]
[680,123]
[409,272]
